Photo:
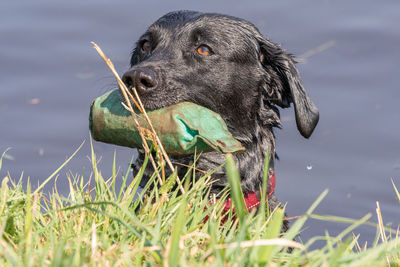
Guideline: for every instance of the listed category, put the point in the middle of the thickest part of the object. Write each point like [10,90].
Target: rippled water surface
[49,74]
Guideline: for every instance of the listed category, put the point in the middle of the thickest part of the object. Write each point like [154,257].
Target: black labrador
[224,64]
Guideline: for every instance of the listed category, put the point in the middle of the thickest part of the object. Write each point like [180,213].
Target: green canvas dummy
[182,128]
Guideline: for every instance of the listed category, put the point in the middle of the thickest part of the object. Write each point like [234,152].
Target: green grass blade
[376,256]
[4,195]
[273,230]
[394,186]
[56,171]
[296,227]
[2,156]
[114,175]
[131,190]
[264,200]
[234,180]
[28,224]
[338,252]
[123,187]
[179,224]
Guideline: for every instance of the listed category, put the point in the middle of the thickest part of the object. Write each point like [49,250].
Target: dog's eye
[146,46]
[204,50]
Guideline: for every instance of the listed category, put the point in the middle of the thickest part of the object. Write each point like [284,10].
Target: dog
[222,63]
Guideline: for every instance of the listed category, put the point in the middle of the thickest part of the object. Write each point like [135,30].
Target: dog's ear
[283,86]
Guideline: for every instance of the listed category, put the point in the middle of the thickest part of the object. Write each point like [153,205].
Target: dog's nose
[143,79]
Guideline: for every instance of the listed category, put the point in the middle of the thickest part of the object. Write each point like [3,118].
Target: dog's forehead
[184,23]
[177,17]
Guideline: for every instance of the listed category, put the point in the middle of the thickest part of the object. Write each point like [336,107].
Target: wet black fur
[245,79]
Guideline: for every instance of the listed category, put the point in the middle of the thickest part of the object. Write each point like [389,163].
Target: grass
[178,223]
[98,224]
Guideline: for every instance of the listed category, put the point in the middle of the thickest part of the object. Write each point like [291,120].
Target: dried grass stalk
[128,98]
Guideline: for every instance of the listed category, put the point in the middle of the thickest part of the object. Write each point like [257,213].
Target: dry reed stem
[6,236]
[144,143]
[35,204]
[125,93]
[190,167]
[322,47]
[357,244]
[382,229]
[292,218]
[141,108]
[261,242]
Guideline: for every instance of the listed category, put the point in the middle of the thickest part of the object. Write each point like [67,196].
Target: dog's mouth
[153,104]
[150,101]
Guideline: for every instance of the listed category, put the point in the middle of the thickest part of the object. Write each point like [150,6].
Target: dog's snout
[143,79]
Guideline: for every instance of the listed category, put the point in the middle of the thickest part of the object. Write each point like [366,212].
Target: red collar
[251,199]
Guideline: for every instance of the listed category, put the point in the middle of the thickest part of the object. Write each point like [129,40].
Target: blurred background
[349,52]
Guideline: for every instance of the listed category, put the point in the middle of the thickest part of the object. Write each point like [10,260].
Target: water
[49,74]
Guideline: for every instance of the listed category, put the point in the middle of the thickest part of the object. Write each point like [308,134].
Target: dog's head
[222,63]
